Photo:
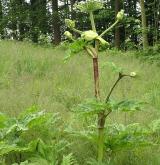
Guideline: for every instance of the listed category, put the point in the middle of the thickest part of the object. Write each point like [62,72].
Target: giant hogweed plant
[34,137]
[91,42]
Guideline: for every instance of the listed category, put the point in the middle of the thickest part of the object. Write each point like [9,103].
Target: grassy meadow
[33,75]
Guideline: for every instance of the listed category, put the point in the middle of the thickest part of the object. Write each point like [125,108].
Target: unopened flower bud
[89,35]
[120,15]
[133,74]
[102,41]
[68,34]
[70,23]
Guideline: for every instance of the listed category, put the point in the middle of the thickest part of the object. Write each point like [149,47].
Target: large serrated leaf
[113,67]
[91,107]
[74,48]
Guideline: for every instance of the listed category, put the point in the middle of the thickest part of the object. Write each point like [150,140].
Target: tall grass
[31,74]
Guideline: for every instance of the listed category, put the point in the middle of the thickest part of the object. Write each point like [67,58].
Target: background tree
[21,19]
[56,23]
[144,25]
[117,29]
[1,18]
[43,19]
[34,20]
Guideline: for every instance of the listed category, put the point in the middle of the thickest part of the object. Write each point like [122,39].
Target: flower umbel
[89,5]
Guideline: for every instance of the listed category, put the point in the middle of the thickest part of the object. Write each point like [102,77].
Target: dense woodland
[43,20]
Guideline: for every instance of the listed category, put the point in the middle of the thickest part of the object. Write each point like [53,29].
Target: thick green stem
[77,31]
[101,123]
[101,116]
[100,145]
[109,28]
[115,84]
[94,29]
[113,87]
[92,21]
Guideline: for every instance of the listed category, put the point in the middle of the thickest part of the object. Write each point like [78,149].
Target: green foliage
[128,105]
[121,137]
[18,136]
[23,163]
[97,107]
[74,48]
[57,93]
[3,118]
[44,40]
[113,67]
[155,125]
[70,23]
[93,107]
[69,160]
[152,54]
[95,162]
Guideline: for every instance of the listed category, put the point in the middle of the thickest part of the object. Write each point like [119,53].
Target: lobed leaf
[74,48]
[91,107]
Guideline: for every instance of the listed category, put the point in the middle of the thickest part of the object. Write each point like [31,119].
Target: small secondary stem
[109,28]
[114,85]
[112,89]
[92,21]
[77,31]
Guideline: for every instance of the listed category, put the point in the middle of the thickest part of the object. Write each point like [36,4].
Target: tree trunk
[117,29]
[43,23]
[144,25]
[22,25]
[135,15]
[73,13]
[56,23]
[34,21]
[1,17]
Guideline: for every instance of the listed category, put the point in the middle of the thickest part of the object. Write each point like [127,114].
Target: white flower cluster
[89,5]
